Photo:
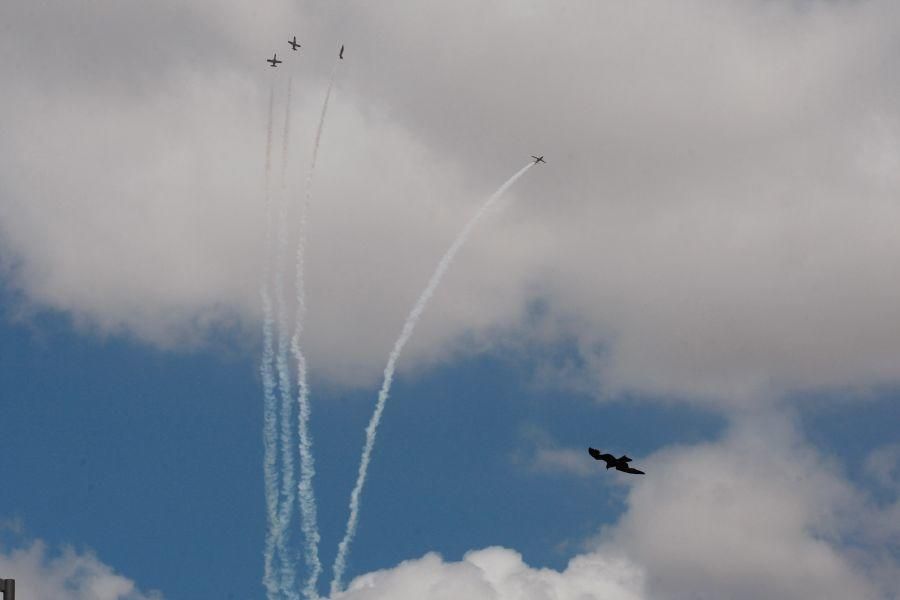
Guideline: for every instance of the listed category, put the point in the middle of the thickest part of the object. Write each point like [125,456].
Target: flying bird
[538,159]
[293,43]
[274,62]
[341,55]
[620,464]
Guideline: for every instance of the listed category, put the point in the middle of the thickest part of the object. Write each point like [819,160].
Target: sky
[702,276]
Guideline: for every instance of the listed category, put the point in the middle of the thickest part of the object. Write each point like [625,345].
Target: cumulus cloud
[42,574]
[715,220]
[758,513]
[500,574]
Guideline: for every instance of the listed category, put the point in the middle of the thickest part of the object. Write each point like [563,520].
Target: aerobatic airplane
[293,43]
[538,159]
[274,62]
[620,464]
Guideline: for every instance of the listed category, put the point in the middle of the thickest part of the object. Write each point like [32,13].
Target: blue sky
[702,275]
[152,459]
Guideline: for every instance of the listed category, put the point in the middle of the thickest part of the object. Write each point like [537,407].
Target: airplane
[341,55]
[293,43]
[620,464]
[274,62]
[538,159]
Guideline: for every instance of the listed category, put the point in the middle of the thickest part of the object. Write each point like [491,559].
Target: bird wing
[630,470]
[598,456]
[594,452]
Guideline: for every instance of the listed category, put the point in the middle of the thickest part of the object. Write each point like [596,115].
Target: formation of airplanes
[294,44]
[619,464]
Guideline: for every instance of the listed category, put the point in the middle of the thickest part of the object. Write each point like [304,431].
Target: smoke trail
[288,565]
[308,510]
[340,563]
[270,416]
[285,137]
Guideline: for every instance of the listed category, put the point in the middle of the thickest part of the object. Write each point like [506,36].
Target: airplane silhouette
[274,62]
[620,464]
[341,55]
[538,159]
[293,43]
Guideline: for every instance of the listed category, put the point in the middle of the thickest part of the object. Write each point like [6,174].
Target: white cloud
[44,575]
[500,574]
[716,218]
[757,514]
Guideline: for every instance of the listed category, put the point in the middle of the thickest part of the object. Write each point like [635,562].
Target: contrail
[308,510]
[340,563]
[288,565]
[270,416]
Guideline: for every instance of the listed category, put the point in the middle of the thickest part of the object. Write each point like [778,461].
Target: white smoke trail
[270,416]
[308,510]
[285,134]
[340,562]
[288,565]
